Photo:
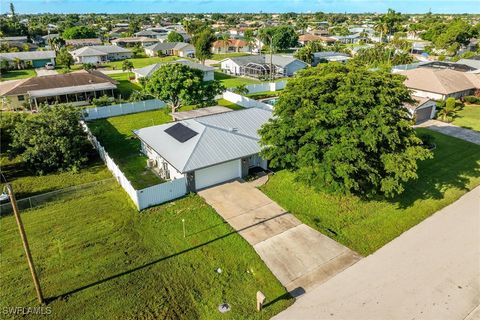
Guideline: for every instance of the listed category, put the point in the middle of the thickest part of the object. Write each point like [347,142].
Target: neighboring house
[99,54]
[133,41]
[206,150]
[457,66]
[149,34]
[473,62]
[146,72]
[306,38]
[230,46]
[352,38]
[78,43]
[422,109]
[10,40]
[36,59]
[77,88]
[440,84]
[179,49]
[329,56]
[259,65]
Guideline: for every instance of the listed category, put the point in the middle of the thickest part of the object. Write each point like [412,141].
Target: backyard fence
[143,198]
[122,108]
[244,101]
[38,200]
[267,86]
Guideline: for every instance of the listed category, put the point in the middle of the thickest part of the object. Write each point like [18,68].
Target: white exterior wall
[426,94]
[151,154]
[229,66]
[119,56]
[150,53]
[89,59]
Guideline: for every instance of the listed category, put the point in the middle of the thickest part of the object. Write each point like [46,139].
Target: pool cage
[261,70]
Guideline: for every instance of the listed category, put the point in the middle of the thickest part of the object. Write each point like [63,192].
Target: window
[21,98]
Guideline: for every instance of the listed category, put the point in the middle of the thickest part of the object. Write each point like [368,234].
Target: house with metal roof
[206,150]
[145,72]
[36,59]
[179,49]
[99,54]
[329,56]
[259,66]
[76,88]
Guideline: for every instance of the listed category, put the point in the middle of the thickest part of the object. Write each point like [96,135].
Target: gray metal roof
[98,51]
[150,69]
[168,46]
[328,54]
[72,89]
[28,55]
[278,60]
[221,137]
[470,62]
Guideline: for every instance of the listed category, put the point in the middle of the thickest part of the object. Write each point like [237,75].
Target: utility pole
[26,247]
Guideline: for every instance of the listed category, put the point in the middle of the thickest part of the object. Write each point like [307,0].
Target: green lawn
[231,81]
[116,135]
[125,86]
[17,74]
[365,226]
[221,56]
[469,117]
[138,62]
[264,94]
[26,184]
[98,258]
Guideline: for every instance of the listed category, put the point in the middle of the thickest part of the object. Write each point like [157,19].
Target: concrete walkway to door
[452,130]
[298,256]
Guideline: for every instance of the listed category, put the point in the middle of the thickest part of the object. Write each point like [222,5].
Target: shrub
[472,99]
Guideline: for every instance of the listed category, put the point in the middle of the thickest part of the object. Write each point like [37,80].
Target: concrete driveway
[298,256]
[44,72]
[452,130]
[430,272]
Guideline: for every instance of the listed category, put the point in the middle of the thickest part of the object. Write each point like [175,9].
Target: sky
[233,6]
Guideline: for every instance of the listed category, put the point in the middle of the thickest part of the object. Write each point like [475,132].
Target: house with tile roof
[230,46]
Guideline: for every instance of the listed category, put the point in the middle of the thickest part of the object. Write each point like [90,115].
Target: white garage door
[217,174]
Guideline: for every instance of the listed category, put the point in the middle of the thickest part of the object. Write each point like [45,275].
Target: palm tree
[448,112]
[381,27]
[127,65]
[225,39]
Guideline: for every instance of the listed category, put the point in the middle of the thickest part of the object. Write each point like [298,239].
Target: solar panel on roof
[180,132]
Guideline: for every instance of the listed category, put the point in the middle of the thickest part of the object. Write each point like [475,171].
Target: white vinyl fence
[244,101]
[122,108]
[267,86]
[143,198]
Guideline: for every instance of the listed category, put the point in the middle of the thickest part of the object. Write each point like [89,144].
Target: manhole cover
[224,307]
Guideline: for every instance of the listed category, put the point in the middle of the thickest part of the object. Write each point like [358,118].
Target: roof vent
[233,129]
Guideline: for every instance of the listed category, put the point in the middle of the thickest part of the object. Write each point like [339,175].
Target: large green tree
[64,58]
[52,140]
[79,32]
[177,85]
[203,44]
[280,37]
[174,36]
[344,129]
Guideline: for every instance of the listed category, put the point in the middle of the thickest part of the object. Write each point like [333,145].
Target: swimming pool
[271,101]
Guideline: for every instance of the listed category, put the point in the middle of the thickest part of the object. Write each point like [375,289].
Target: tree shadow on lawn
[64,296]
[454,165]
